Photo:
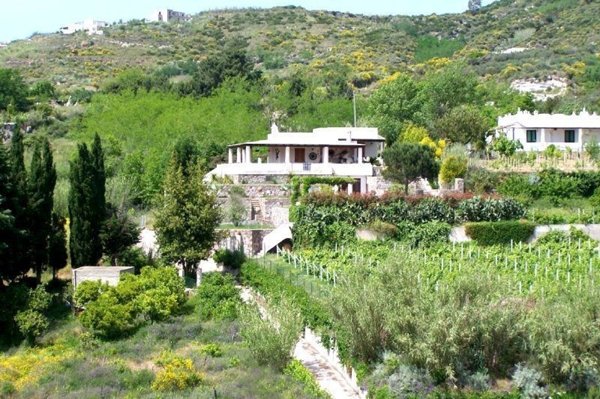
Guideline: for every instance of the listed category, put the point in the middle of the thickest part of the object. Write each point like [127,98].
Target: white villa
[166,15]
[332,151]
[537,131]
[90,26]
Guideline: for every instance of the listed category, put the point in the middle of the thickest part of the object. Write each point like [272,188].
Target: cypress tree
[42,180]
[98,199]
[80,212]
[11,265]
[57,244]
[18,175]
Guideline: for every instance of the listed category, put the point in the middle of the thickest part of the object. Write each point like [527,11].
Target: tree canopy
[406,162]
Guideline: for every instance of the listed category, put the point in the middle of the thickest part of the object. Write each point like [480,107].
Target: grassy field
[70,363]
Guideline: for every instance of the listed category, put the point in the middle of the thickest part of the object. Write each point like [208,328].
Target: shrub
[229,258]
[271,340]
[383,229]
[489,210]
[157,303]
[453,167]
[563,237]
[31,324]
[107,318]
[429,233]
[212,350]
[88,291]
[498,233]
[177,374]
[528,381]
[432,209]
[409,381]
[479,381]
[480,181]
[583,378]
[218,297]
[298,372]
[519,187]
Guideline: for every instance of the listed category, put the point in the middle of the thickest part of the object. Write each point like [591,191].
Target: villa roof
[330,136]
[525,119]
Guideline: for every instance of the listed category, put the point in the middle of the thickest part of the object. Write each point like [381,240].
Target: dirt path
[311,353]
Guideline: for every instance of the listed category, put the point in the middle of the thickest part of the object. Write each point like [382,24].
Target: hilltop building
[537,131]
[332,151]
[90,26]
[166,15]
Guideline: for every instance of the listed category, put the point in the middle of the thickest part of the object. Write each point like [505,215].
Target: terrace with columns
[332,151]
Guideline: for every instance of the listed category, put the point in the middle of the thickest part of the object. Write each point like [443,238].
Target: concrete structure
[166,15]
[537,131]
[106,274]
[338,151]
[89,26]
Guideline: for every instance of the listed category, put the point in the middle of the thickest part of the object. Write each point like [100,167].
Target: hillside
[546,38]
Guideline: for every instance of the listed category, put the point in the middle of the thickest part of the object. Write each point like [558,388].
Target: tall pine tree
[42,179]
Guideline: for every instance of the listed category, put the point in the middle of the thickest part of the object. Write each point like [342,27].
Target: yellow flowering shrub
[177,374]
[23,368]
[437,146]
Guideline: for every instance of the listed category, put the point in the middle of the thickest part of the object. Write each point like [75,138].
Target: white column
[248,154]
[543,139]
[363,185]
[287,154]
[360,155]
[580,139]
[230,155]
[326,154]
[238,157]
[350,188]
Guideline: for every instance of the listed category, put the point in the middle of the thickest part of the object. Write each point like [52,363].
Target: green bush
[212,350]
[430,233]
[229,258]
[298,372]
[31,324]
[519,187]
[88,291]
[217,297]
[155,294]
[489,210]
[480,181]
[453,167]
[271,340]
[498,233]
[107,318]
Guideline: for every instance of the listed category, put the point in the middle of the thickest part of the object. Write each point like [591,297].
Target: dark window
[531,136]
[569,136]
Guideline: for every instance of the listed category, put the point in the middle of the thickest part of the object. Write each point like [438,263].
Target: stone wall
[270,211]
[256,190]
[248,240]
[261,179]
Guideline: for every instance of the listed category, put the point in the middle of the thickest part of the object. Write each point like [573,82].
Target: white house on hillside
[537,131]
[89,26]
[166,15]
[332,151]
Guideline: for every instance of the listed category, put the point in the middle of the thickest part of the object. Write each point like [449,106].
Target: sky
[20,18]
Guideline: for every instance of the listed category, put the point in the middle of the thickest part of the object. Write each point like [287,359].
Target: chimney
[274,129]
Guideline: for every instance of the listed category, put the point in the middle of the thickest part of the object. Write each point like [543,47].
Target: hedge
[324,218]
[498,233]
